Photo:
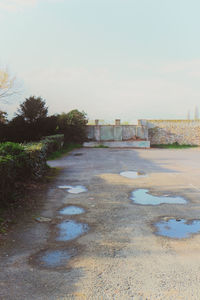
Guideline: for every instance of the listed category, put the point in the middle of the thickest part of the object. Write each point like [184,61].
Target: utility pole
[188,115]
[196,113]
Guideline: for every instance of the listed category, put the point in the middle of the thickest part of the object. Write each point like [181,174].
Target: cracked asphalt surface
[120,257]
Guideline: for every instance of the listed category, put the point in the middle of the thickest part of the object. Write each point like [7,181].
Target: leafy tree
[33,109]
[48,125]
[73,125]
[17,130]
[62,122]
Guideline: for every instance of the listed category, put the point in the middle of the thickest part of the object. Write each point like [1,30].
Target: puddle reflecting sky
[55,258]
[77,189]
[72,210]
[142,197]
[133,174]
[70,230]
[177,228]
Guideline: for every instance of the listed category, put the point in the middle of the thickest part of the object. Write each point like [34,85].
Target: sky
[127,59]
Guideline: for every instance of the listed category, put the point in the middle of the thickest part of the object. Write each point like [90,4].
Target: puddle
[72,210]
[70,230]
[78,154]
[133,174]
[142,197]
[177,228]
[55,258]
[43,219]
[77,189]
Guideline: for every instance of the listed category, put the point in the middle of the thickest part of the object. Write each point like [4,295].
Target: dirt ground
[120,257]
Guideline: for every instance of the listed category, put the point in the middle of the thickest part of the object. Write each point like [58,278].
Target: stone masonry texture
[173,131]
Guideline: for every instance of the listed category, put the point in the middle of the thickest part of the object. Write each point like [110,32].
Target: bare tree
[8,85]
[3,117]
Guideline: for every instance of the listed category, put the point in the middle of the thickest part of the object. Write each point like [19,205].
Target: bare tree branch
[8,85]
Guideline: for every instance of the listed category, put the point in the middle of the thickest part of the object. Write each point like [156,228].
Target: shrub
[11,148]
[38,153]
[73,125]
[7,174]
[53,143]
[23,162]
[18,155]
[19,130]
[36,159]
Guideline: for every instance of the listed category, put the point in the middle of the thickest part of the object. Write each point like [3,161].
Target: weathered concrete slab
[142,132]
[116,132]
[107,133]
[90,132]
[128,132]
[119,144]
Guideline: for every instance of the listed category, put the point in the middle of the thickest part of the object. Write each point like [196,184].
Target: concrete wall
[171,131]
[116,132]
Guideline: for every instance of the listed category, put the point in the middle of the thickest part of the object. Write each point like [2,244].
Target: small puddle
[55,258]
[42,219]
[133,174]
[143,197]
[77,189]
[71,210]
[78,154]
[177,228]
[70,230]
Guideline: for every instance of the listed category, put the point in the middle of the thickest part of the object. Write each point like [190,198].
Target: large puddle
[77,189]
[70,230]
[143,197]
[55,258]
[71,210]
[177,228]
[133,174]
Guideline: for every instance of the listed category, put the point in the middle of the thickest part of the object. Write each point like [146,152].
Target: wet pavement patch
[55,258]
[133,174]
[69,230]
[143,197]
[71,210]
[77,189]
[177,228]
[78,154]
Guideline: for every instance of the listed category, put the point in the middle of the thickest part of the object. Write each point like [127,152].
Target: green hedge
[53,143]
[7,175]
[19,163]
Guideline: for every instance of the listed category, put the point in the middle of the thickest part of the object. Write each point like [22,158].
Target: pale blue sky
[111,58]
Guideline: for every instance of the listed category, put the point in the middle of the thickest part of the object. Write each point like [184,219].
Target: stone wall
[171,131]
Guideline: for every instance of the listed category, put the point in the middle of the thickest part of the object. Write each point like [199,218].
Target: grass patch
[66,149]
[100,146]
[173,146]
